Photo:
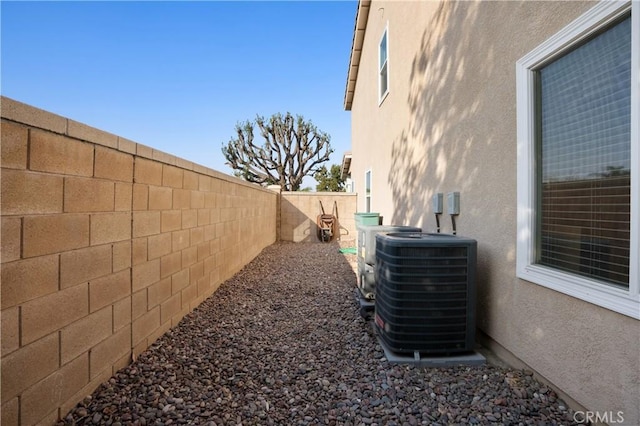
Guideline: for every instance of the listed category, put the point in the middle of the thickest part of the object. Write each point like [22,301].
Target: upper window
[578,214]
[383,68]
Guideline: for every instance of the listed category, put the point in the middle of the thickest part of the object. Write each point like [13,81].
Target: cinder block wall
[106,244]
[299,211]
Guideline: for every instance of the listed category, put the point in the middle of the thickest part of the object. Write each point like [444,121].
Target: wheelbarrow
[327,224]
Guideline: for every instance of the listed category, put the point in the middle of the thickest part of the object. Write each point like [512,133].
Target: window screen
[367,189]
[584,170]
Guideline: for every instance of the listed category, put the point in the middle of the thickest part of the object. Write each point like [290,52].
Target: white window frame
[382,96]
[367,196]
[623,301]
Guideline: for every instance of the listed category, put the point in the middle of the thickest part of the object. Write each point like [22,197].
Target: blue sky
[178,76]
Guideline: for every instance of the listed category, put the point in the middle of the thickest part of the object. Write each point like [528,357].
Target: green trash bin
[367,219]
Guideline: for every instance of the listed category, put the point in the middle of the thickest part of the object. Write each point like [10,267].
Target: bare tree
[293,148]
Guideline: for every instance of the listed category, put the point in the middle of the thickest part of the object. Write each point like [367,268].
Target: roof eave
[356,48]
[345,169]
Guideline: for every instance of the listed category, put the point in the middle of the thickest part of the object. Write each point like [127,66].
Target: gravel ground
[282,343]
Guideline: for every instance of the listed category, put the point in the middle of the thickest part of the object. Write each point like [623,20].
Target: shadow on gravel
[282,343]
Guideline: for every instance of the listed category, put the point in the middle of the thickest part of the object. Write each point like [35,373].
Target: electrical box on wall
[453,202]
[437,203]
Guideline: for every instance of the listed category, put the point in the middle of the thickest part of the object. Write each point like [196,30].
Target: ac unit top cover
[421,239]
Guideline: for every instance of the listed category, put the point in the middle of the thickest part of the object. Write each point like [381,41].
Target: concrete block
[53,153]
[121,313]
[209,232]
[159,245]
[179,281]
[30,193]
[147,171]
[203,251]
[189,219]
[140,197]
[197,200]
[228,214]
[204,183]
[190,180]
[189,256]
[13,145]
[209,264]
[220,230]
[214,216]
[163,157]
[196,271]
[210,200]
[214,246]
[10,320]
[188,295]
[80,266]
[145,325]
[11,233]
[160,198]
[180,240]
[23,113]
[91,134]
[121,256]
[47,314]
[170,264]
[170,308]
[139,304]
[47,395]
[146,223]
[125,145]
[204,286]
[139,251]
[171,220]
[196,236]
[123,197]
[31,363]
[145,151]
[187,165]
[204,217]
[171,176]
[113,165]
[145,274]
[107,290]
[159,292]
[28,279]
[84,334]
[88,195]
[110,227]
[10,413]
[106,353]
[181,199]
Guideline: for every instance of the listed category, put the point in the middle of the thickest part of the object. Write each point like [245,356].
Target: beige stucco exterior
[449,124]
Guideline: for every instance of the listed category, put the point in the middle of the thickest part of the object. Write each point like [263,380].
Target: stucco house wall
[449,124]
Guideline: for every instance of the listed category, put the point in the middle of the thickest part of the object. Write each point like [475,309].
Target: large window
[383,67]
[578,160]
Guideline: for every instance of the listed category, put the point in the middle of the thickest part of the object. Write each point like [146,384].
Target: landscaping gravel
[282,343]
